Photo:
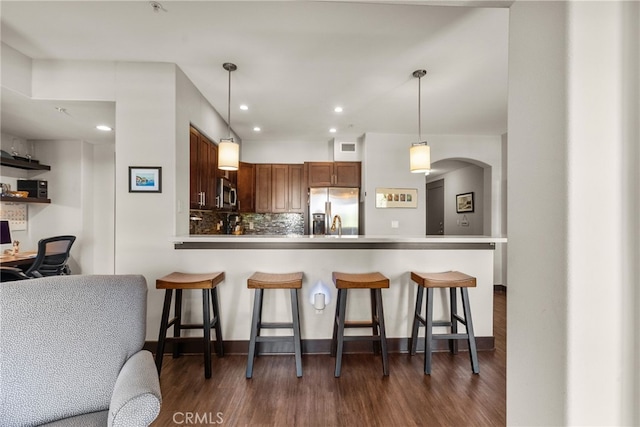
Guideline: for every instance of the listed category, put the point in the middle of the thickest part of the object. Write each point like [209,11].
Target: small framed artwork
[464,202]
[396,198]
[144,179]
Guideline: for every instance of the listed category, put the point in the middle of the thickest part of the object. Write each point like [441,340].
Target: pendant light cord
[419,111]
[229,67]
[229,106]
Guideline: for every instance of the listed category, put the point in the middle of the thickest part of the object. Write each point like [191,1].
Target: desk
[23,258]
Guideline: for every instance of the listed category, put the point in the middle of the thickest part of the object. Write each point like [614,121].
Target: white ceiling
[296,61]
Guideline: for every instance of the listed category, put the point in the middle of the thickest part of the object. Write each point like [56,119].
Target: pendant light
[228,149]
[420,152]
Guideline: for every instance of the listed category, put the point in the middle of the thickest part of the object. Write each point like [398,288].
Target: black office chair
[51,260]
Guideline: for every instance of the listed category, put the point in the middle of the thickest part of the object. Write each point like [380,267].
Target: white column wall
[597,305]
[572,355]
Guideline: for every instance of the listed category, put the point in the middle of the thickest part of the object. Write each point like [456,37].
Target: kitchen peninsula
[318,256]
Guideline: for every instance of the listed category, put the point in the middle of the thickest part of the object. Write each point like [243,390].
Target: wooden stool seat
[275,281]
[178,281]
[375,282]
[261,281]
[360,281]
[452,280]
[448,279]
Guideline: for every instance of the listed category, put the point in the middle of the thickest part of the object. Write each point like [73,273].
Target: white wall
[572,332]
[286,151]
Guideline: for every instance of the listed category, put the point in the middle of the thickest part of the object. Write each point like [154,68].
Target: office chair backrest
[52,257]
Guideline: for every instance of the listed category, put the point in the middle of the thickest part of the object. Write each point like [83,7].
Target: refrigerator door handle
[327,217]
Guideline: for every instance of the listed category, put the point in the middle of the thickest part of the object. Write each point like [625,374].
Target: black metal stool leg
[383,333]
[296,331]
[428,334]
[177,325]
[255,323]
[416,321]
[342,302]
[206,326]
[334,339]
[163,328]
[375,322]
[473,352]
[216,314]
[453,303]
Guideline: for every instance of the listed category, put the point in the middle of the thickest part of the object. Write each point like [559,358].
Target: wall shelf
[24,199]
[23,164]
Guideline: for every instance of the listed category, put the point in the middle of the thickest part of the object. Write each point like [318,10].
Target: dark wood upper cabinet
[246,185]
[287,182]
[297,189]
[333,174]
[263,188]
[203,163]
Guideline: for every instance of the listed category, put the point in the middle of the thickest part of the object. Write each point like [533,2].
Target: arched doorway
[452,180]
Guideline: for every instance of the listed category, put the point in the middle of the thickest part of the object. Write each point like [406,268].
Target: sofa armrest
[136,396]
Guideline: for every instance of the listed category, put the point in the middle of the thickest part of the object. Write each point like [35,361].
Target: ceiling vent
[346,151]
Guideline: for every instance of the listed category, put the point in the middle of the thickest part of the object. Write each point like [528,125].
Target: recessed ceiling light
[333,130]
[256,129]
[338,109]
[104,128]
[244,107]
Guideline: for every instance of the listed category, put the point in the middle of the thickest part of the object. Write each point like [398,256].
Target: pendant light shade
[420,157]
[420,152]
[228,149]
[228,155]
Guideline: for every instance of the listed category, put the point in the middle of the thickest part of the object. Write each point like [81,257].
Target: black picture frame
[465,202]
[145,179]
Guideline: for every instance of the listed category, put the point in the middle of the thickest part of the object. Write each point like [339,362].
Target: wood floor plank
[451,396]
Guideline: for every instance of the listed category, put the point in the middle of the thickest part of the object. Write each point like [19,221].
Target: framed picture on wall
[464,202]
[143,179]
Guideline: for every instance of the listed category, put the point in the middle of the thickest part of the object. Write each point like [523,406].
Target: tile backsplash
[209,222]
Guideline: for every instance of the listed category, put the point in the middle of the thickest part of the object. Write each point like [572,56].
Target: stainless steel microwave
[227,196]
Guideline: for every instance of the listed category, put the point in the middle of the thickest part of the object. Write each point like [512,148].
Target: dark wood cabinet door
[333,174]
[212,167]
[263,188]
[194,171]
[246,185]
[320,174]
[279,188]
[346,174]
[203,163]
[297,190]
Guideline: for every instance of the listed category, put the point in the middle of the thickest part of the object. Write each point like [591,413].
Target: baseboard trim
[323,346]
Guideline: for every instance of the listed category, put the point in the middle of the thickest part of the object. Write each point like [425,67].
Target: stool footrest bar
[275,325]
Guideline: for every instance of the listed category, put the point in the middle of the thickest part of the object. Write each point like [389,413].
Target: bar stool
[180,281]
[452,280]
[261,281]
[374,282]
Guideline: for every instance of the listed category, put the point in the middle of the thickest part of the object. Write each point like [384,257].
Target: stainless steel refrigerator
[332,201]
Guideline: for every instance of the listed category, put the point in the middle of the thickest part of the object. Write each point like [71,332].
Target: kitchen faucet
[333,224]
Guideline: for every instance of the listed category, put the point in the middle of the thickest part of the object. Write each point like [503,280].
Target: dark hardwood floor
[451,396]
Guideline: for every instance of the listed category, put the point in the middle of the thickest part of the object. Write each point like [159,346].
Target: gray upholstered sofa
[71,352]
